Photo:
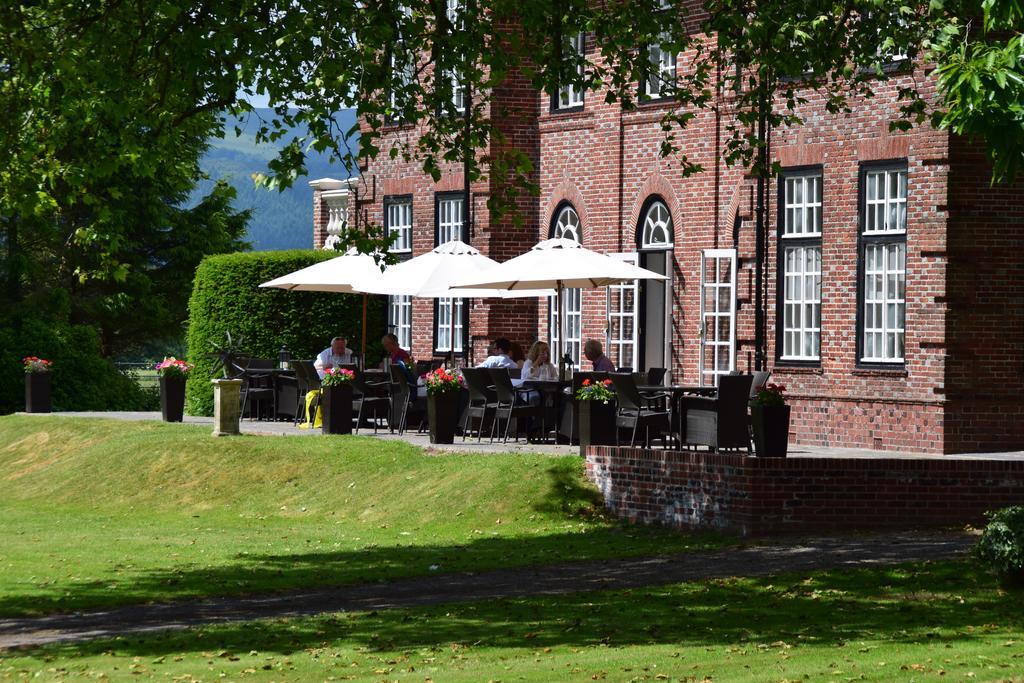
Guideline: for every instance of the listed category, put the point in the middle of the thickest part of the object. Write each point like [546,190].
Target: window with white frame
[398,217]
[567,225]
[621,306]
[661,79]
[657,232]
[884,265]
[571,96]
[445,331]
[800,276]
[400,319]
[450,211]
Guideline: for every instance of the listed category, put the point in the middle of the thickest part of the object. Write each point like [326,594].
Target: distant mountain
[280,220]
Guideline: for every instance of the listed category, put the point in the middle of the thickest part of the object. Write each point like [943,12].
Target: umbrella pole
[363,349]
[560,292]
[451,335]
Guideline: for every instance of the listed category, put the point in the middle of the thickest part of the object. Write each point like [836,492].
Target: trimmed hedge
[226,297]
[82,379]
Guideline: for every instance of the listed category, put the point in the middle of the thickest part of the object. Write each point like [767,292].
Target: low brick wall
[765,496]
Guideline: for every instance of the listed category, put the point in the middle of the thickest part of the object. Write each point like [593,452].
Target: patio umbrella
[431,275]
[560,264]
[350,273]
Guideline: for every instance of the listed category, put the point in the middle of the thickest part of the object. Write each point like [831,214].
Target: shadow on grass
[901,604]
[566,502]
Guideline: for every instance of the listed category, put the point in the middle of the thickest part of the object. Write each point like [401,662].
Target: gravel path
[807,555]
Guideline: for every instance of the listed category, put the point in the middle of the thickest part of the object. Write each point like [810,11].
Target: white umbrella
[560,264]
[431,275]
[347,274]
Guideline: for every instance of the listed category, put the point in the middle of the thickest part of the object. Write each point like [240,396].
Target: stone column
[226,406]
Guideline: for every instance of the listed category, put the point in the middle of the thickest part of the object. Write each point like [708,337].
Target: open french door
[717,314]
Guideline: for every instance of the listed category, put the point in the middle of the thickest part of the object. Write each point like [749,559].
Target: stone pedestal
[227,408]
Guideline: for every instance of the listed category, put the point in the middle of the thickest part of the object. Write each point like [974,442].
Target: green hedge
[82,379]
[226,297]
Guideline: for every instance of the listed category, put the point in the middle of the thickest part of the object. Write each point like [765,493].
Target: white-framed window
[450,213]
[717,315]
[800,276]
[458,94]
[398,214]
[883,242]
[400,319]
[403,72]
[885,201]
[661,80]
[802,205]
[621,306]
[444,329]
[657,232]
[567,225]
[571,96]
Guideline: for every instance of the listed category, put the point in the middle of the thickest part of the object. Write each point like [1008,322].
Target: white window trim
[650,224]
[443,324]
[808,207]
[400,319]
[663,71]
[571,96]
[885,201]
[451,219]
[400,209]
[804,325]
[614,347]
[883,328]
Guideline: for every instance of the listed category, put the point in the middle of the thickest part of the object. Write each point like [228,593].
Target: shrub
[226,298]
[82,379]
[1001,546]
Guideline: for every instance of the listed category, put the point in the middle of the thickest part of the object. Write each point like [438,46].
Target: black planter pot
[336,409]
[442,415]
[597,424]
[771,430]
[172,398]
[37,392]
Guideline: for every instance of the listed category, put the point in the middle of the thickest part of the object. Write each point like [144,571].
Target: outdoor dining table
[677,392]
[548,387]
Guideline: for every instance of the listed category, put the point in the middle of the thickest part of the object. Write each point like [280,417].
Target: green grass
[931,622]
[99,512]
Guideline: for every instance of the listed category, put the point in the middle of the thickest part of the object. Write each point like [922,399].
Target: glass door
[621,330]
[717,314]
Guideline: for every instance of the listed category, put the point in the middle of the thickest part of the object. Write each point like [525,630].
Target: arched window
[567,224]
[657,227]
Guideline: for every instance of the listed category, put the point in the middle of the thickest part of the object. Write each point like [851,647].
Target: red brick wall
[985,303]
[764,496]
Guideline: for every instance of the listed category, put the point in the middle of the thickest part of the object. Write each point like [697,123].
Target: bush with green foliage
[1001,546]
[226,298]
[81,378]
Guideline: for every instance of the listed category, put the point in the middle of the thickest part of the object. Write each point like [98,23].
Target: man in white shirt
[333,355]
[500,358]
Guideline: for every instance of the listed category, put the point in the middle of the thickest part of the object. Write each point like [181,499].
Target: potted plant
[442,404]
[172,373]
[1001,546]
[37,384]
[336,401]
[594,401]
[769,416]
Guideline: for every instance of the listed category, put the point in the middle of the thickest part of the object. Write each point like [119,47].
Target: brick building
[895,296]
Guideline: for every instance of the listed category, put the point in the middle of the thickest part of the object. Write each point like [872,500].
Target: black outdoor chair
[512,404]
[656,376]
[760,378]
[482,400]
[404,400]
[637,409]
[371,399]
[257,387]
[722,421]
[307,379]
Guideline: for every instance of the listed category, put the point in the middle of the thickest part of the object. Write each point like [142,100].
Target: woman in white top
[538,363]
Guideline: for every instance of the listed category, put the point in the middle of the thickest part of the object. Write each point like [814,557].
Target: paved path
[801,556]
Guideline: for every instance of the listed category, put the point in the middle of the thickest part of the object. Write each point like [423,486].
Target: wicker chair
[511,403]
[482,400]
[719,422]
[638,409]
[656,376]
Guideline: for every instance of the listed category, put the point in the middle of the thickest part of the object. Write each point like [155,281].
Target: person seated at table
[538,363]
[500,358]
[594,352]
[334,355]
[393,353]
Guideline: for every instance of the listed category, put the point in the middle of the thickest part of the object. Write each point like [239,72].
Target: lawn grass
[927,622]
[98,512]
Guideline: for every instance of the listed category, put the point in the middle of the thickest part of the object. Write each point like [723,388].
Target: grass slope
[935,622]
[101,512]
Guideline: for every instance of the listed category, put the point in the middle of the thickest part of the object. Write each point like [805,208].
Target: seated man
[333,355]
[594,352]
[393,353]
[500,357]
